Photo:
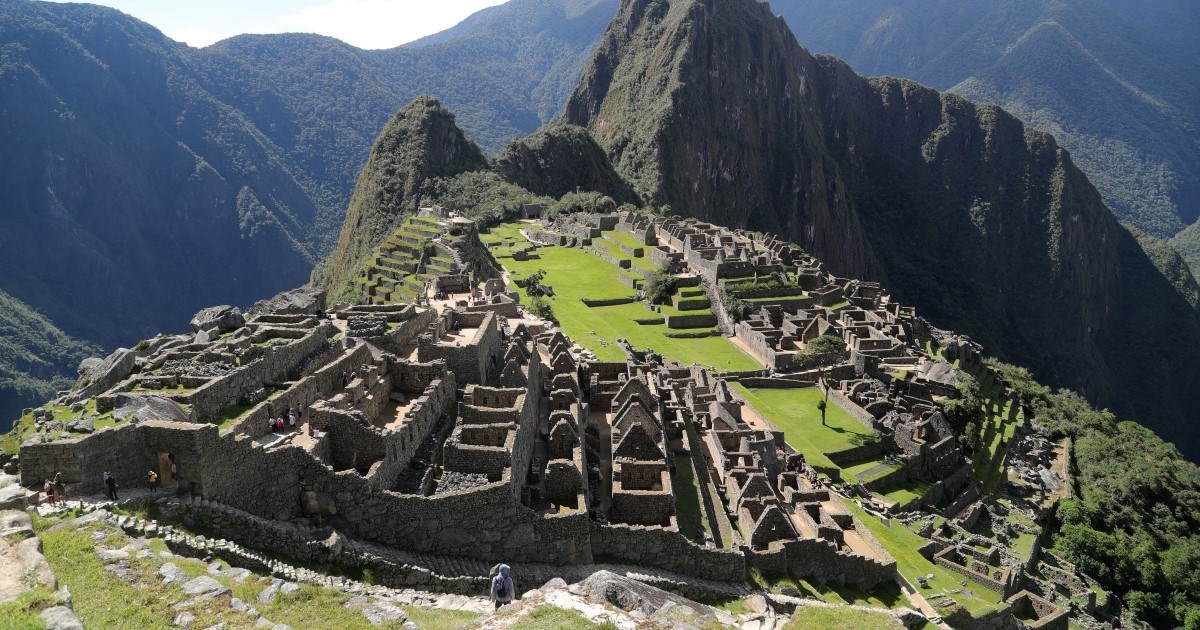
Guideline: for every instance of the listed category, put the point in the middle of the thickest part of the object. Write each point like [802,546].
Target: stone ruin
[410,417]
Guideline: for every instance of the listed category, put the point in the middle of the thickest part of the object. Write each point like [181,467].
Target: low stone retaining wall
[609,301]
[705,320]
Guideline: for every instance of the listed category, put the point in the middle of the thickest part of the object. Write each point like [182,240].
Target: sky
[363,23]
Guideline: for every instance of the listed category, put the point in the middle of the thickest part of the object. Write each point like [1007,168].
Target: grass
[902,544]
[555,618]
[908,491]
[821,618]
[23,613]
[574,274]
[692,520]
[883,596]
[795,412]
[103,601]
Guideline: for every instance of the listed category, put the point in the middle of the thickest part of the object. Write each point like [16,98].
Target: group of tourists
[284,422]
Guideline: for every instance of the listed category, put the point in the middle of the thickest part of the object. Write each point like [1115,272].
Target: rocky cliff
[986,225]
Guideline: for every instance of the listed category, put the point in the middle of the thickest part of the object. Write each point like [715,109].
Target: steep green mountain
[36,358]
[1117,82]
[559,159]
[420,143]
[1187,243]
[983,223]
[132,196]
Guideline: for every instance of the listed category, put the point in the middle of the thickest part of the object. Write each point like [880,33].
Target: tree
[660,284]
[822,405]
[824,350]
[534,287]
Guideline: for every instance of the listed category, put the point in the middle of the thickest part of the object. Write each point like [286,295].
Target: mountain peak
[422,141]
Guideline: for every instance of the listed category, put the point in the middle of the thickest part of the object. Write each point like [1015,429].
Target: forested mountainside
[142,179]
[1116,81]
[36,358]
[982,222]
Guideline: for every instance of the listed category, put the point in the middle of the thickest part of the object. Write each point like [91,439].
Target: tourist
[152,480]
[110,486]
[48,488]
[279,424]
[345,382]
[292,420]
[271,423]
[60,489]
[502,590]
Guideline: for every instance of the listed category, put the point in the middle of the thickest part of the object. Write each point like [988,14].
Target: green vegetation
[555,618]
[575,274]
[660,285]
[23,613]
[104,601]
[1132,524]
[36,358]
[818,618]
[381,200]
[1109,82]
[795,412]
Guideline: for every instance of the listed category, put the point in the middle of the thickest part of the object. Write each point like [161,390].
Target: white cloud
[382,23]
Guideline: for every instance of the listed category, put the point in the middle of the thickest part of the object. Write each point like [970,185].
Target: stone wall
[478,359]
[275,366]
[703,320]
[317,386]
[821,560]
[435,401]
[128,452]
[666,549]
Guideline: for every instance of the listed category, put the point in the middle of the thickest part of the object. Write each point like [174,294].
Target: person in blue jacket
[502,590]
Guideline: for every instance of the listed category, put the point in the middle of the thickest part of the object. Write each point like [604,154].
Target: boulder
[269,594]
[81,425]
[12,497]
[172,574]
[383,612]
[61,618]
[142,408]
[96,375]
[630,595]
[302,301]
[204,586]
[219,318]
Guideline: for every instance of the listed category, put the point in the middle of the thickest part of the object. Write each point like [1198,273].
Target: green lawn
[908,491]
[574,274]
[902,544]
[795,411]
[821,618]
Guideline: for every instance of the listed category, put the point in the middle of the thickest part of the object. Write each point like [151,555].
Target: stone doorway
[166,469]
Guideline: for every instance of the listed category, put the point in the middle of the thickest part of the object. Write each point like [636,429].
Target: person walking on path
[152,480]
[110,485]
[502,590]
[48,488]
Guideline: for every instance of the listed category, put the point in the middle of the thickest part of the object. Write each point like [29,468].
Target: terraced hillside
[595,299]
[422,249]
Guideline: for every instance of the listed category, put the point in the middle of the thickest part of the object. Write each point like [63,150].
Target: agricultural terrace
[575,274]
